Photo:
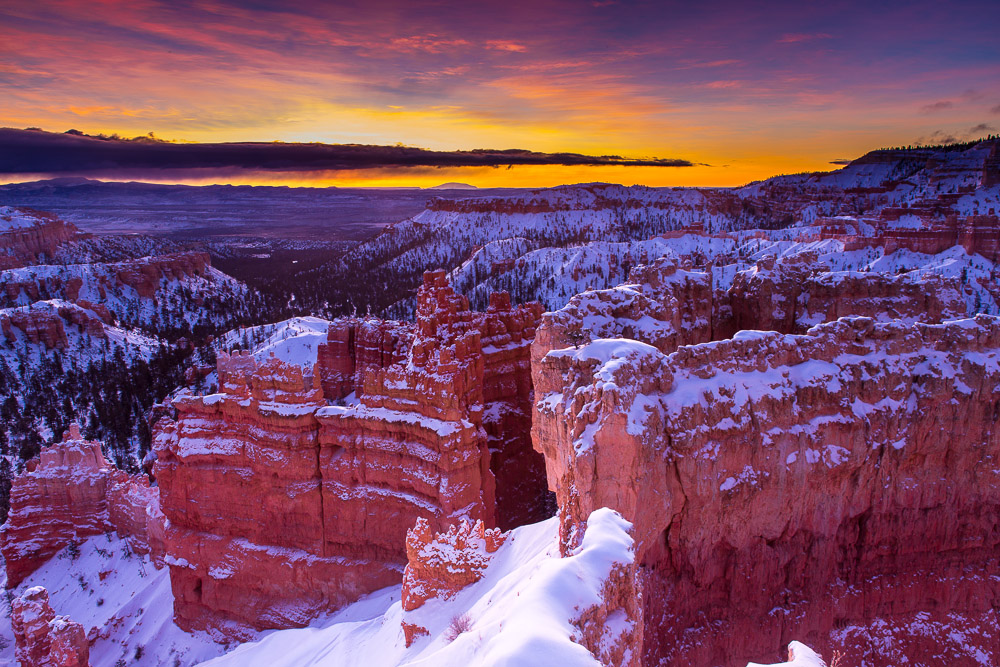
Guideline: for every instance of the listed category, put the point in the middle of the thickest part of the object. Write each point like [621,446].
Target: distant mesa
[454,186]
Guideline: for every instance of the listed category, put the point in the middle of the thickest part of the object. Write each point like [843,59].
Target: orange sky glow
[741,93]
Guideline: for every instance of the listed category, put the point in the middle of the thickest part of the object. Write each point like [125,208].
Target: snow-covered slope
[123,602]
[519,614]
[294,341]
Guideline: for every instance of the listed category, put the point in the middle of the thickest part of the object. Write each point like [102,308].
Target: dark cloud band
[47,153]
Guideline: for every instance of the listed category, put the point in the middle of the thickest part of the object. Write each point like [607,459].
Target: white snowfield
[294,341]
[520,612]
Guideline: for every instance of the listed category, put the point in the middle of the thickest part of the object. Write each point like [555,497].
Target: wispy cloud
[502,45]
[934,107]
[797,37]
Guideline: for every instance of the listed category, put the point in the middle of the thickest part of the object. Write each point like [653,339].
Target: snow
[294,341]
[799,655]
[439,426]
[14,218]
[124,596]
[521,612]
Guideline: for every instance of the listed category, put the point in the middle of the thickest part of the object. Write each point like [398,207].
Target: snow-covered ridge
[14,218]
[521,612]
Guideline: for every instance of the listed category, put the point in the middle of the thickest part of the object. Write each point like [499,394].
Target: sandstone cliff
[836,487]
[25,235]
[415,411]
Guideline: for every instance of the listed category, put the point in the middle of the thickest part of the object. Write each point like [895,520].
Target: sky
[740,90]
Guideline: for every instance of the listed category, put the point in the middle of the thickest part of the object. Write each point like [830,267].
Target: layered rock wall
[792,294]
[354,346]
[791,486]
[341,483]
[23,245]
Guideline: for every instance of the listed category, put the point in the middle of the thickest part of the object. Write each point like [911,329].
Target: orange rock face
[39,327]
[406,438]
[71,493]
[838,487]
[43,639]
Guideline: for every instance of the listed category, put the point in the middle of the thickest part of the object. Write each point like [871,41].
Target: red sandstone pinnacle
[71,494]
[440,565]
[43,639]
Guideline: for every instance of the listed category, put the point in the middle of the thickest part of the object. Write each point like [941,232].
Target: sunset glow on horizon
[742,92]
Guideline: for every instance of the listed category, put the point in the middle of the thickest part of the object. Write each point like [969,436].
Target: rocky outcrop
[826,486]
[68,494]
[144,275]
[792,294]
[39,325]
[43,639]
[440,565]
[62,500]
[355,346]
[405,438]
[96,281]
[612,628]
[661,304]
[26,235]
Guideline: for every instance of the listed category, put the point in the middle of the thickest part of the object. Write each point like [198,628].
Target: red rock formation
[22,246]
[355,345]
[134,512]
[507,396]
[39,326]
[791,486]
[440,565]
[43,639]
[792,294]
[69,494]
[88,323]
[342,483]
[62,500]
[144,275]
[44,323]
